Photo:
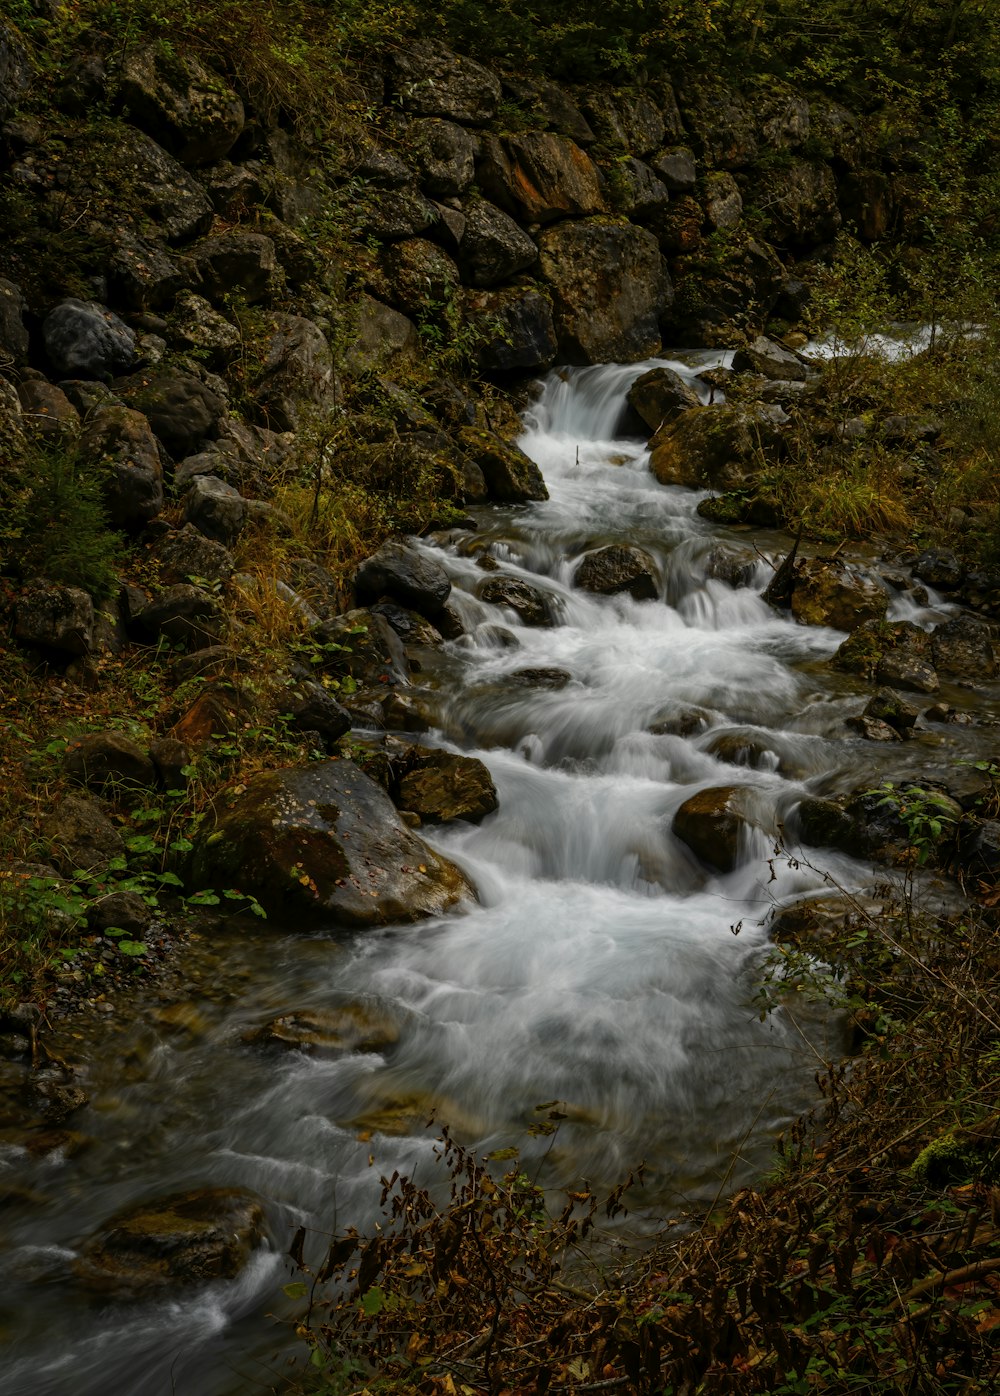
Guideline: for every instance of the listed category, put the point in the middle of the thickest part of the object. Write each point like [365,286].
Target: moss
[950,1160]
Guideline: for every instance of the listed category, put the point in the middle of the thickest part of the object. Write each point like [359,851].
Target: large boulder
[831,592]
[610,288]
[427,79]
[326,840]
[617,568]
[142,274]
[237,261]
[440,786]
[511,476]
[383,338]
[637,192]
[493,248]
[187,554]
[896,653]
[722,123]
[187,1238]
[196,328]
[118,442]
[444,155]
[181,410]
[184,614]
[514,329]
[86,340]
[661,395]
[721,446]
[149,183]
[178,100]
[109,761]
[52,617]
[771,360]
[410,577]
[962,648]
[538,176]
[216,509]
[297,375]
[46,411]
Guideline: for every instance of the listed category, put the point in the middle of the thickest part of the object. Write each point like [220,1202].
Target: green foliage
[53,523]
[927,816]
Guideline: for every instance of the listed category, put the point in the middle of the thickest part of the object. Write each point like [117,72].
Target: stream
[603,967]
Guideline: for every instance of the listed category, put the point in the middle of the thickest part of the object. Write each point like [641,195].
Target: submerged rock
[616,569]
[711,823]
[349,1027]
[525,600]
[326,841]
[188,1238]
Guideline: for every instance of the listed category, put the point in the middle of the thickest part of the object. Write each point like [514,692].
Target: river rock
[427,79]
[711,823]
[179,101]
[890,708]
[120,911]
[661,395]
[410,577]
[86,340]
[349,1027]
[830,592]
[52,617]
[311,708]
[119,443]
[897,653]
[962,648]
[720,445]
[939,568]
[360,645]
[511,476]
[441,786]
[493,248]
[771,360]
[81,836]
[526,601]
[619,568]
[538,176]
[325,840]
[610,288]
[186,1238]
[109,761]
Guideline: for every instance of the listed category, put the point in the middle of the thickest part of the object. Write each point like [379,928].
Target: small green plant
[926,815]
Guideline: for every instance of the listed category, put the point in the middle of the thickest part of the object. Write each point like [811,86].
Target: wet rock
[735,567]
[771,360]
[184,614]
[410,577]
[360,645]
[215,509]
[118,442]
[81,836]
[889,707]
[740,749]
[896,653]
[444,156]
[55,1096]
[188,556]
[939,569]
[186,1238]
[493,248]
[610,288]
[517,329]
[551,679]
[819,924]
[326,840]
[441,786]
[660,396]
[873,729]
[538,176]
[181,102]
[618,568]
[962,649]
[349,1027]
[427,79]
[412,628]
[86,340]
[407,712]
[528,603]
[711,823]
[52,617]
[511,476]
[182,411]
[830,592]
[109,762]
[311,708]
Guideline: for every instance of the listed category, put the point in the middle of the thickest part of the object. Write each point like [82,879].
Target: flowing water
[603,967]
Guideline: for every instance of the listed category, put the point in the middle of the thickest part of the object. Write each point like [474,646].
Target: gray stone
[118,443]
[493,247]
[81,836]
[384,337]
[46,411]
[86,340]
[723,203]
[149,181]
[429,80]
[962,648]
[399,571]
[771,360]
[182,411]
[677,168]
[661,395]
[538,176]
[195,328]
[143,275]
[616,569]
[526,601]
[297,376]
[237,261]
[311,708]
[514,328]
[187,555]
[444,156]
[184,614]
[511,476]
[215,509]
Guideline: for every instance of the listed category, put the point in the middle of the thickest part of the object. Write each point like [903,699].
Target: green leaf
[132,947]
[373,1301]
[298,1289]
